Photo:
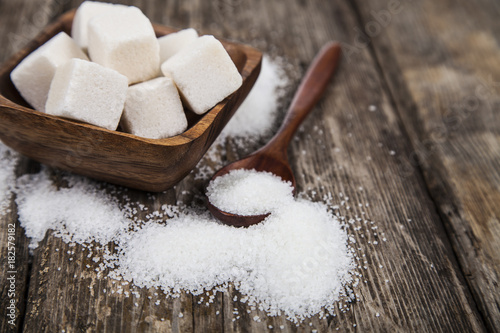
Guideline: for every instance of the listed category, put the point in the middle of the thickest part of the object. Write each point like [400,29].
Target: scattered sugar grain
[41,206]
[185,258]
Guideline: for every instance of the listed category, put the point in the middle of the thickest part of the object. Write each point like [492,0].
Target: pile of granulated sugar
[8,161]
[295,263]
[248,192]
[80,213]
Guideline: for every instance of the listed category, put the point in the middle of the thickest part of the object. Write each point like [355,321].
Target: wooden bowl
[113,156]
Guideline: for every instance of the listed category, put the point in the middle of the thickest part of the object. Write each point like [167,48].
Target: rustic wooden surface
[446,87]
[432,70]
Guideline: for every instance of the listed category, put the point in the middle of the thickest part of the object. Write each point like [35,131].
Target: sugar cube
[204,73]
[153,109]
[84,13]
[88,92]
[126,42]
[174,42]
[32,77]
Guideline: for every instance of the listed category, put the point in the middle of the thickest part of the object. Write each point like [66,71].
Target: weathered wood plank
[20,21]
[442,63]
[417,253]
[419,287]
[14,263]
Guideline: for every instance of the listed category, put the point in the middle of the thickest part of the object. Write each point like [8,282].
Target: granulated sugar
[296,262]
[248,192]
[80,213]
[8,161]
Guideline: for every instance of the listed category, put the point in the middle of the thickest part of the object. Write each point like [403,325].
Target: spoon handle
[308,94]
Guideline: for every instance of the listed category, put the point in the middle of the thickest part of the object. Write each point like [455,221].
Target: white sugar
[203,72]
[125,41]
[174,42]
[153,109]
[85,12]
[248,192]
[33,75]
[296,262]
[88,92]
[80,213]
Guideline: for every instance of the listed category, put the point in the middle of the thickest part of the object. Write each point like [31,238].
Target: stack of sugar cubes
[132,78]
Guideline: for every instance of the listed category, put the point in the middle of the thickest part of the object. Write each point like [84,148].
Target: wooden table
[428,160]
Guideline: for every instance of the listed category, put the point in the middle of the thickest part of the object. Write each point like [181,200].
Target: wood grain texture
[14,263]
[441,61]
[413,280]
[20,22]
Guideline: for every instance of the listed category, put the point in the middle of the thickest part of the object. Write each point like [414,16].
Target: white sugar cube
[84,13]
[126,42]
[204,73]
[153,109]
[32,77]
[88,92]
[174,42]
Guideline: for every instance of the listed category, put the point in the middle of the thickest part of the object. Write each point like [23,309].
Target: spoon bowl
[273,156]
[259,161]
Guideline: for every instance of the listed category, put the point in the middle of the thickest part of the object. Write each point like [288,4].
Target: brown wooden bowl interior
[114,156]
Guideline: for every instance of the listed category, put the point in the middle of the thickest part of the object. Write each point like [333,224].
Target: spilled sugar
[79,213]
[248,192]
[298,262]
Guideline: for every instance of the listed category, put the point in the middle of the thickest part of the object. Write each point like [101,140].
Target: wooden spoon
[273,156]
